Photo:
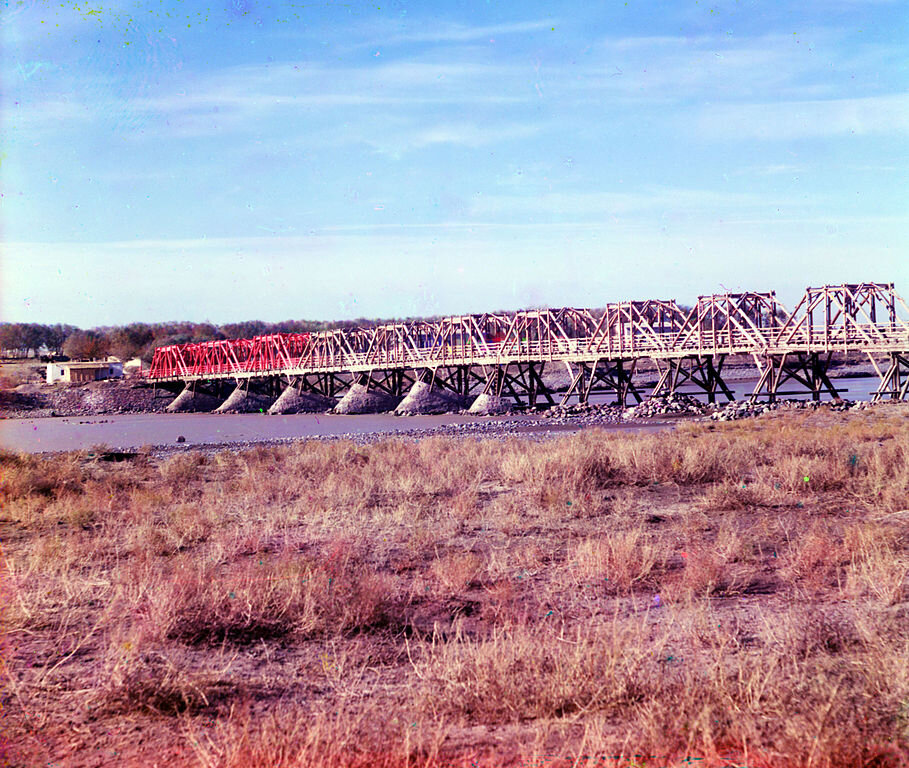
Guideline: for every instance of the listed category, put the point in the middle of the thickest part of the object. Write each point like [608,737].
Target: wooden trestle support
[808,369]
[614,377]
[895,380]
[702,371]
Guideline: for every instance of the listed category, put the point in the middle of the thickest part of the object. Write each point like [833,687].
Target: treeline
[140,339]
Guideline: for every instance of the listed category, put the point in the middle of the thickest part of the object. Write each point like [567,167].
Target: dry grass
[735,593]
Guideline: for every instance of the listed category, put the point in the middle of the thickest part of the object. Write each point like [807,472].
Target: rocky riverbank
[92,399]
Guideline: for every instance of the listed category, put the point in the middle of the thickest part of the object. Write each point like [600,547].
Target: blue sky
[240,160]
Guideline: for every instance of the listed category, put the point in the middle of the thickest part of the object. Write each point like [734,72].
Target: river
[126,431]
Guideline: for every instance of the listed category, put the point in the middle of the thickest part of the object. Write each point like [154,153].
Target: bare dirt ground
[728,594]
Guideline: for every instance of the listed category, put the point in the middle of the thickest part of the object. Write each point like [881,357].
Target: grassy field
[723,594]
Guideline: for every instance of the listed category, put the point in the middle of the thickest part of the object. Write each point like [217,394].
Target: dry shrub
[703,573]
[814,692]
[29,484]
[287,736]
[726,567]
[534,672]
[877,568]
[730,496]
[881,474]
[269,546]
[185,525]
[619,561]
[260,598]
[135,677]
[814,560]
[458,571]
[503,606]
[76,510]
[463,505]
[183,468]
[813,630]
[742,494]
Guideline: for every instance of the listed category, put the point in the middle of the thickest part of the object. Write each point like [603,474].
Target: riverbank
[730,593]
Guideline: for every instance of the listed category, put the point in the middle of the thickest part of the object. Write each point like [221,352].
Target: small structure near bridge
[77,373]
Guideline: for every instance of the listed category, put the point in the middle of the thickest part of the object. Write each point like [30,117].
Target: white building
[81,372]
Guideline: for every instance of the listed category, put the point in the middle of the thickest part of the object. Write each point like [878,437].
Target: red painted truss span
[272,352]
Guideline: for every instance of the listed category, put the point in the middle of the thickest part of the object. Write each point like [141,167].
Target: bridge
[488,358]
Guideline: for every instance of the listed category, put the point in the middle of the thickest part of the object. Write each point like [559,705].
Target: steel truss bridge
[506,355]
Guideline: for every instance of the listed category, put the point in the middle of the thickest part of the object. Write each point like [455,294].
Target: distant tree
[85,345]
[11,338]
[244,330]
[33,336]
[56,335]
[205,332]
[163,337]
[126,342]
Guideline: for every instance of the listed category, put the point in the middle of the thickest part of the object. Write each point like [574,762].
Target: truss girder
[865,317]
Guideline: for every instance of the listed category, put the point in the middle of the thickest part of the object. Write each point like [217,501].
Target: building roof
[92,364]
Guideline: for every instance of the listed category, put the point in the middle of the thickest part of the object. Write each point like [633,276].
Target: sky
[273,160]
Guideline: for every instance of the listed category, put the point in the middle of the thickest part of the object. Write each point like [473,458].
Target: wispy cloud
[650,203]
[455,32]
[737,77]
[874,115]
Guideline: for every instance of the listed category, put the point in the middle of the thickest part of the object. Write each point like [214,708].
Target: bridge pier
[249,396]
[297,397]
[704,371]
[198,396]
[368,395]
[423,397]
[806,368]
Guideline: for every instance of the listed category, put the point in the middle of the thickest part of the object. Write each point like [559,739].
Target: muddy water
[136,430]
[162,430]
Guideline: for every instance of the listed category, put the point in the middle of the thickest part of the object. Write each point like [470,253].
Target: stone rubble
[745,409]
[677,403]
[91,399]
